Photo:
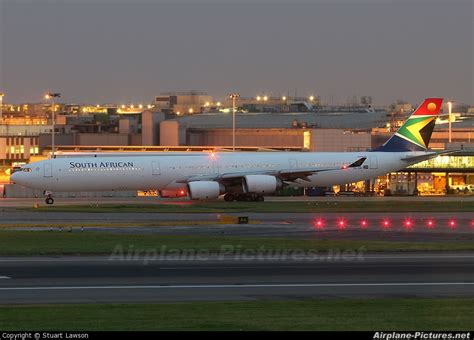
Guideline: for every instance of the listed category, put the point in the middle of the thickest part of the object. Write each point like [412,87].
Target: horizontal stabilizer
[421,158]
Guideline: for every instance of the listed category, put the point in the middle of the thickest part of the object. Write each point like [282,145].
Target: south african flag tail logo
[415,134]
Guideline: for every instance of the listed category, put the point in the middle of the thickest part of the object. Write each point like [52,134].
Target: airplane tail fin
[415,134]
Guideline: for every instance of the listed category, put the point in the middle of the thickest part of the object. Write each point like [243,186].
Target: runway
[33,280]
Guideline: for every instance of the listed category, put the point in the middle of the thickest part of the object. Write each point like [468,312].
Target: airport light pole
[450,107]
[1,105]
[51,97]
[233,96]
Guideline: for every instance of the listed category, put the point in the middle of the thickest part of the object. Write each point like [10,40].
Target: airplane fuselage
[169,171]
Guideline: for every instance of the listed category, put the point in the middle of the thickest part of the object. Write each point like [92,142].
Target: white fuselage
[168,171]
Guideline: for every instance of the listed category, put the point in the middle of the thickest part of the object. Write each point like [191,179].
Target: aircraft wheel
[49,200]
[229,197]
[259,198]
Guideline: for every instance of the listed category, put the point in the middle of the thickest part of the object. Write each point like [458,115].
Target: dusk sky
[129,51]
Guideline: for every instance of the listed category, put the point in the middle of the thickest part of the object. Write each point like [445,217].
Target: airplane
[239,176]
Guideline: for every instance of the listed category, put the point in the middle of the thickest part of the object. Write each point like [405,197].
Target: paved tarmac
[32,280]
[102,279]
[30,202]
[452,227]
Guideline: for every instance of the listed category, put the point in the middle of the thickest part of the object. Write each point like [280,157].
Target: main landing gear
[243,197]
[49,199]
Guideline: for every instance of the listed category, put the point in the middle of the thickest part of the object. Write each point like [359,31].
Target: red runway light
[430,224]
[452,224]
[386,224]
[408,224]
[341,224]
[364,224]
[319,224]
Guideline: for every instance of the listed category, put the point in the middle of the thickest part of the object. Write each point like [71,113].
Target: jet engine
[203,190]
[261,184]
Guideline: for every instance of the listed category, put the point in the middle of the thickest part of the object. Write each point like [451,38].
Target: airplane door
[48,170]
[373,162]
[293,164]
[155,168]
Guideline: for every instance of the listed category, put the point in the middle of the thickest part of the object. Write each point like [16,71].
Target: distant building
[320,140]
[183,103]
[263,103]
[17,149]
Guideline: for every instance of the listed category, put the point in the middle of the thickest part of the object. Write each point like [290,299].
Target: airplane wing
[288,175]
[294,174]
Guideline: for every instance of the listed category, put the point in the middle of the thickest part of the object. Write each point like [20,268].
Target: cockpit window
[26,169]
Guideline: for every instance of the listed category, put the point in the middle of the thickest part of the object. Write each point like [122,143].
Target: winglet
[357,163]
